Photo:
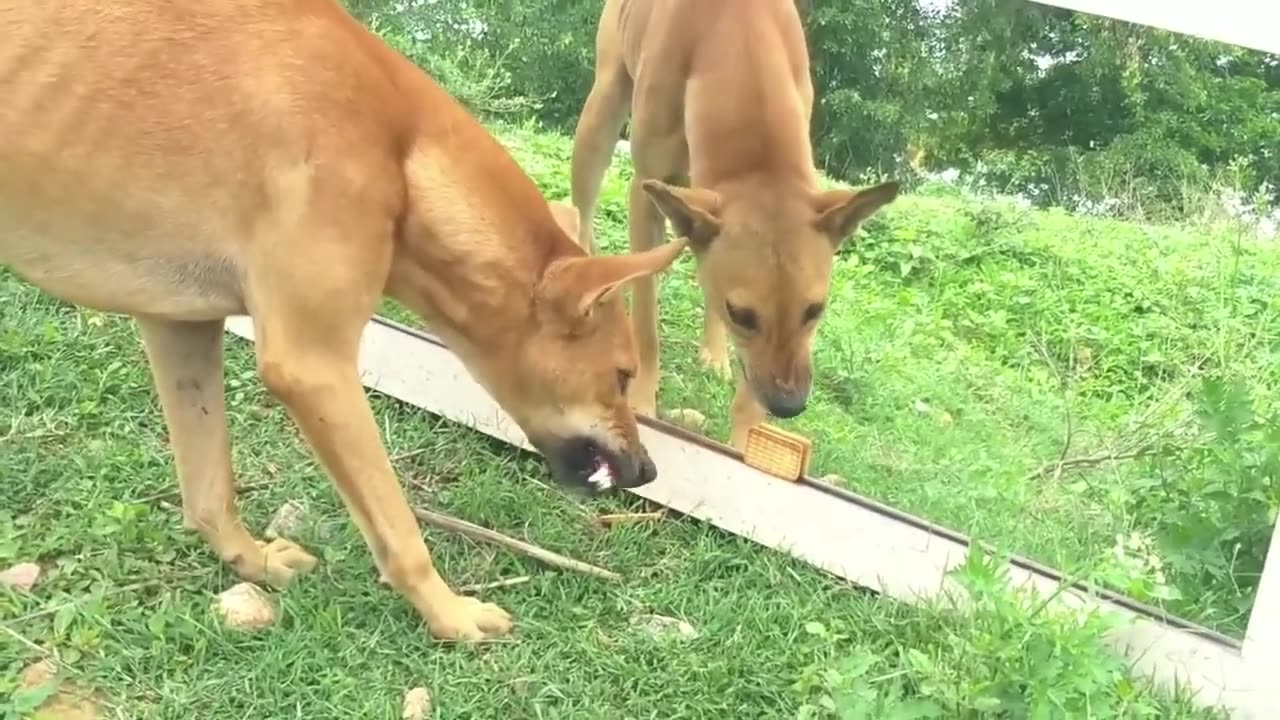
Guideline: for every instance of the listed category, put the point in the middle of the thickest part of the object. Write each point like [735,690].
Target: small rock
[834,479]
[688,418]
[38,673]
[286,522]
[68,701]
[245,607]
[1084,358]
[417,704]
[663,626]
[22,576]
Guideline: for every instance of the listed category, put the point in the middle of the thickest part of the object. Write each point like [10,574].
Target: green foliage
[1008,653]
[1105,110]
[872,74]
[1215,502]
[1064,108]
[443,39]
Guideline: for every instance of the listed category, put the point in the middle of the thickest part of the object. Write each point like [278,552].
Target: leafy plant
[1007,653]
[1215,501]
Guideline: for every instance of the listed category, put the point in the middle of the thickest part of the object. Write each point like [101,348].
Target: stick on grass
[620,518]
[495,584]
[475,532]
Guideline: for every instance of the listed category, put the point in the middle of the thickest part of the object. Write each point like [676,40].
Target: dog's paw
[688,418]
[466,619]
[645,406]
[643,396]
[277,563]
[716,361]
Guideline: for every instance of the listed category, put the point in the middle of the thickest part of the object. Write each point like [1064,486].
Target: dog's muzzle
[585,465]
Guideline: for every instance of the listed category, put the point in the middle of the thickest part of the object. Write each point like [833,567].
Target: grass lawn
[963,340]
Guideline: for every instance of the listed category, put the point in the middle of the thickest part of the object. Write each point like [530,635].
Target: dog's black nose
[646,471]
[787,405]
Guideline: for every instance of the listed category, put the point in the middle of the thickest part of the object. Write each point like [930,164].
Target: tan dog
[181,161]
[720,98]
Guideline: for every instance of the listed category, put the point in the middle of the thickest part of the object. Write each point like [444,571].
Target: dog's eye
[813,312]
[744,318]
[624,380]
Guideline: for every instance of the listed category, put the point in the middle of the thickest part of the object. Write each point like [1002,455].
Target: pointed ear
[575,285]
[694,212]
[841,211]
[566,217]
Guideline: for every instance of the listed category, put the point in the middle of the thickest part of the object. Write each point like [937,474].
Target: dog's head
[764,263]
[567,388]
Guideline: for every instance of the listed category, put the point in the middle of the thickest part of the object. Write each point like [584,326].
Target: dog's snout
[644,471]
[783,399]
[648,470]
[787,404]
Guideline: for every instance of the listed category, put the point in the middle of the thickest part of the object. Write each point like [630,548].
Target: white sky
[1250,23]
[935,4]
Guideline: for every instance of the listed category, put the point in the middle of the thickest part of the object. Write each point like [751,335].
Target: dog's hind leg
[602,117]
[186,366]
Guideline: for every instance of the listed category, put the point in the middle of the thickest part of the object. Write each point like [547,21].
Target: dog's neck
[474,239]
[745,113]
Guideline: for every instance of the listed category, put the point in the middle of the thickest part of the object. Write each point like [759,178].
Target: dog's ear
[574,286]
[566,217]
[839,212]
[694,212]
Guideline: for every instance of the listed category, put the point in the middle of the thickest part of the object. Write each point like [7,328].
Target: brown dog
[181,161]
[720,99]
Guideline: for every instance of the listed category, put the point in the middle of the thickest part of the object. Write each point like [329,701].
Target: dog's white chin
[602,478]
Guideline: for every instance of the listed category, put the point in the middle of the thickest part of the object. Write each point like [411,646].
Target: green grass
[125,599]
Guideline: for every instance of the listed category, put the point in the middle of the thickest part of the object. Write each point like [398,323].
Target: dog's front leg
[646,227]
[186,366]
[714,352]
[319,384]
[746,413]
[308,318]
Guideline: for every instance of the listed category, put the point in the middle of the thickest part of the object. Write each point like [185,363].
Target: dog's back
[742,65]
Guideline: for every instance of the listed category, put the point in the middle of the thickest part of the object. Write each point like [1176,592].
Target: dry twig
[475,532]
[24,641]
[619,518]
[1140,440]
[495,584]
[1058,466]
